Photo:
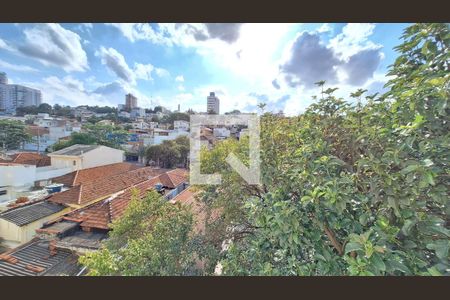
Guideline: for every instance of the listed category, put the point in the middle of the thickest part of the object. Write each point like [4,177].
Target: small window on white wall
[74,162]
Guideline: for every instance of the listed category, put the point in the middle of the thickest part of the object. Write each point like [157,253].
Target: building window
[4,192]
[74,162]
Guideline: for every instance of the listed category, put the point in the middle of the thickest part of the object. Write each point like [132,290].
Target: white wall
[63,162]
[17,175]
[102,156]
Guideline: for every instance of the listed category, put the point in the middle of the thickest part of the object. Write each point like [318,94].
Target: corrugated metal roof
[30,213]
[37,254]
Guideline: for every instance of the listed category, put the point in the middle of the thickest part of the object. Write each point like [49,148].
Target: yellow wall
[12,233]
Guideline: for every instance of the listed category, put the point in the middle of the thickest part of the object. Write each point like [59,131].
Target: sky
[171,64]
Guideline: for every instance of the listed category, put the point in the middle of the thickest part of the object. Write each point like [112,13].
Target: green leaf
[434,272]
[409,169]
[349,247]
[441,248]
[378,263]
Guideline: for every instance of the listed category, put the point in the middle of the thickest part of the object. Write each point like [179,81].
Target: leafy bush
[348,189]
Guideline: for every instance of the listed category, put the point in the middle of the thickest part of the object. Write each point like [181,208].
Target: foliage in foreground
[152,238]
[348,189]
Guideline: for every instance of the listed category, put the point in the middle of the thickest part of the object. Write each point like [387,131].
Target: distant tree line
[169,154]
[94,134]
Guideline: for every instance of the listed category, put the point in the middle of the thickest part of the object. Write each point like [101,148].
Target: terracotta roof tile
[105,186]
[91,174]
[28,158]
[101,214]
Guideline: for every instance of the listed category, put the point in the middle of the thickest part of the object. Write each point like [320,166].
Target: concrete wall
[102,156]
[63,162]
[17,175]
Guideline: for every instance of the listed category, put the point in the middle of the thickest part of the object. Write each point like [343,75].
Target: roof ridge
[18,155]
[79,194]
[75,177]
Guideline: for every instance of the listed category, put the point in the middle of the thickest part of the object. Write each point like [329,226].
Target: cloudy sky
[171,64]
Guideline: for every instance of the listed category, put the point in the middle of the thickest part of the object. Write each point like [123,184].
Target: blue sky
[171,64]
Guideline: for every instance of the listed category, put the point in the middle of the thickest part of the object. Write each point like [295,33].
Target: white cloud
[353,39]
[14,67]
[141,31]
[179,78]
[4,45]
[117,64]
[144,71]
[53,45]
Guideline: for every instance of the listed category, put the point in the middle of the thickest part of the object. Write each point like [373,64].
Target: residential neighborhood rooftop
[103,187]
[101,214]
[38,258]
[28,158]
[87,175]
[27,214]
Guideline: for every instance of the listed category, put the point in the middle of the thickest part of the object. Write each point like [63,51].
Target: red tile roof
[28,158]
[174,178]
[104,186]
[102,214]
[91,174]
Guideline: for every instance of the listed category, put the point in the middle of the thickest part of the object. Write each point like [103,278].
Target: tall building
[3,78]
[213,104]
[130,102]
[13,96]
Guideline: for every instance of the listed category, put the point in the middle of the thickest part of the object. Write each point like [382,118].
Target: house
[160,135]
[91,174]
[95,219]
[47,131]
[79,156]
[21,171]
[93,191]
[18,225]
[181,125]
[27,158]
[40,139]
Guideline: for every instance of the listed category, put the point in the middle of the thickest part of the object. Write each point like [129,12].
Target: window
[74,162]
[3,192]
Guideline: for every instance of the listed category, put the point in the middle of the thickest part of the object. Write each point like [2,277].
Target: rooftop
[105,186]
[27,214]
[87,175]
[101,214]
[75,150]
[28,158]
[38,258]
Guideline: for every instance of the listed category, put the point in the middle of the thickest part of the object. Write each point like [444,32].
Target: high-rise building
[13,96]
[130,102]
[3,78]
[213,104]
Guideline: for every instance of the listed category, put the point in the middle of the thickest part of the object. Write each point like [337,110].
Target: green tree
[106,135]
[347,190]
[169,154]
[12,134]
[151,239]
